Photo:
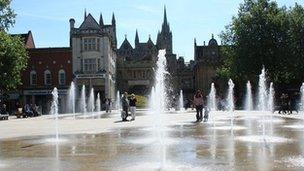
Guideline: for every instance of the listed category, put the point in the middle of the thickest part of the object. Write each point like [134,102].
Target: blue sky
[189,19]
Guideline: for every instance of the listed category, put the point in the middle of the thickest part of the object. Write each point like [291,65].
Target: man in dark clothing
[3,112]
[132,103]
[125,106]
[28,111]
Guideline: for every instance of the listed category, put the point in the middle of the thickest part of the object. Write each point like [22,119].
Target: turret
[136,38]
[72,23]
[113,19]
[101,20]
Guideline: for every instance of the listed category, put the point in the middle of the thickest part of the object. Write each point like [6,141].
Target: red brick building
[47,68]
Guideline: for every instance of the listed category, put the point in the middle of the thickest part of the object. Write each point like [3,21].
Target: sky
[189,19]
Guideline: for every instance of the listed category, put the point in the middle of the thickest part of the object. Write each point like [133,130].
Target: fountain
[71,99]
[271,98]
[159,102]
[248,98]
[262,92]
[83,105]
[302,97]
[152,99]
[181,101]
[230,100]
[54,111]
[212,103]
[118,102]
[98,108]
[91,101]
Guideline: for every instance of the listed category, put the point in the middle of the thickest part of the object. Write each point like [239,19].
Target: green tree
[13,54]
[7,15]
[13,59]
[263,34]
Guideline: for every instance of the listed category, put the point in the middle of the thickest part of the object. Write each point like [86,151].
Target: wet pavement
[254,142]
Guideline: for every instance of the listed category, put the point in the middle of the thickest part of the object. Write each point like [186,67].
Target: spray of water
[248,98]
[158,102]
[71,99]
[230,100]
[181,101]
[98,108]
[262,92]
[271,98]
[118,102]
[54,110]
[212,103]
[230,96]
[91,101]
[83,105]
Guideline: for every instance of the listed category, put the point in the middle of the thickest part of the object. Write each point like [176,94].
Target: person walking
[108,105]
[198,102]
[125,106]
[133,101]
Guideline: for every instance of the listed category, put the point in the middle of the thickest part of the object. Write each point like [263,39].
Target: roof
[126,44]
[89,22]
[26,38]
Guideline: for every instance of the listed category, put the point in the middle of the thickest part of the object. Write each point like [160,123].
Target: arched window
[47,77]
[33,77]
[61,77]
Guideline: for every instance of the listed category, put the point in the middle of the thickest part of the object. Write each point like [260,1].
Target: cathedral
[135,64]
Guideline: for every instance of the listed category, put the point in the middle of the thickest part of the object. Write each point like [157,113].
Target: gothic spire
[165,16]
[165,26]
[113,19]
[101,20]
[136,38]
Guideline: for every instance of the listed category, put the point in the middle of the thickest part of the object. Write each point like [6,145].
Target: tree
[7,15]
[13,59]
[263,34]
[13,55]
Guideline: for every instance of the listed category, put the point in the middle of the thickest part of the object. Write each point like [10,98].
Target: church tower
[164,37]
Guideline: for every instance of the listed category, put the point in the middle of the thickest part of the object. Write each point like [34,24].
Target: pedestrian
[27,110]
[3,112]
[198,102]
[3,109]
[125,106]
[133,102]
[108,105]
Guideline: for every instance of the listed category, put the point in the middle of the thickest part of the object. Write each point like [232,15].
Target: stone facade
[135,66]
[94,55]
[207,60]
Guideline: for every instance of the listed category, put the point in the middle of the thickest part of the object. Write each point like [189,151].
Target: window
[91,44]
[47,77]
[61,77]
[33,78]
[90,65]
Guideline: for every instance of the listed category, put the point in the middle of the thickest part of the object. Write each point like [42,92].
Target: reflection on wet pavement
[188,145]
